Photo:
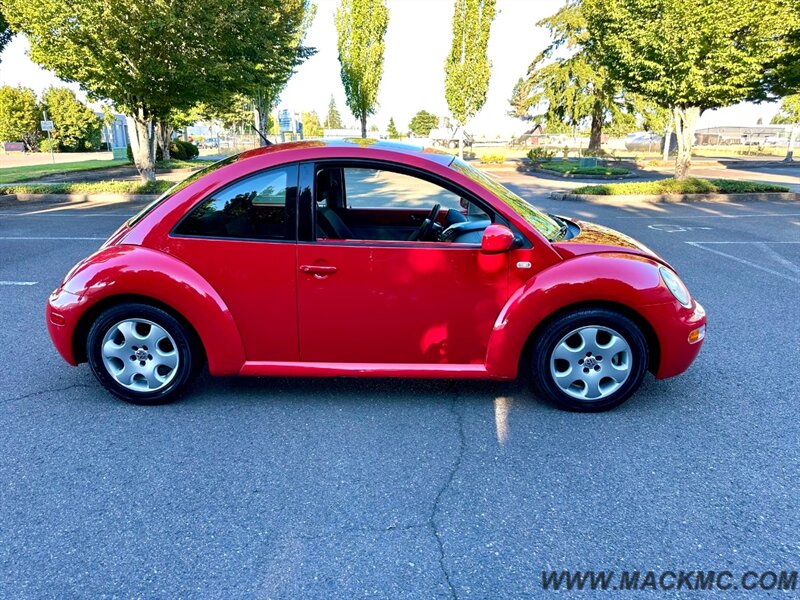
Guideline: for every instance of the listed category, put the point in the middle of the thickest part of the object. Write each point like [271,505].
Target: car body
[300,259]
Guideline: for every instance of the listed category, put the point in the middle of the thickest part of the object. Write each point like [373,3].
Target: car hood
[594,238]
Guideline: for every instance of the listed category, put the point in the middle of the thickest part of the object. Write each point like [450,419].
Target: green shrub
[496,159]
[690,185]
[178,149]
[539,154]
[44,145]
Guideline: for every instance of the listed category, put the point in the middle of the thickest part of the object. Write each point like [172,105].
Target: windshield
[178,187]
[545,225]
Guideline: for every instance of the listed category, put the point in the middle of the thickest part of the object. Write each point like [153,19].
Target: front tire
[589,360]
[141,353]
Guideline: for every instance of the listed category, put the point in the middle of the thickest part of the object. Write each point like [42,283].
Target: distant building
[736,135]
[115,135]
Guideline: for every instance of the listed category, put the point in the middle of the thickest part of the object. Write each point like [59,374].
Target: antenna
[263,137]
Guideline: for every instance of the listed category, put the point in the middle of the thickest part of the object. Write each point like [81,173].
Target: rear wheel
[141,354]
[589,360]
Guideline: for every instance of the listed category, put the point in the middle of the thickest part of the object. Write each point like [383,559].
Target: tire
[589,360]
[142,354]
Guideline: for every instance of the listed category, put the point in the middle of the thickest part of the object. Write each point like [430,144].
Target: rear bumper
[672,324]
[62,316]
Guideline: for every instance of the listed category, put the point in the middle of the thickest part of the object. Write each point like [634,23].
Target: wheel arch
[653,345]
[615,281]
[84,324]
[133,273]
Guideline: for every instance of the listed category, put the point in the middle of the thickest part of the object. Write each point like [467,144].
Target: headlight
[675,285]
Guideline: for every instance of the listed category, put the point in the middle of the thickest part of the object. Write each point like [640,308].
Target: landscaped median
[568,168]
[678,190]
[82,192]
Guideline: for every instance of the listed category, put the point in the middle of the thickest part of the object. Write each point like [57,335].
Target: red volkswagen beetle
[370,259]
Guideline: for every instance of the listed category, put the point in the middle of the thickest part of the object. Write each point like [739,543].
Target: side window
[377,188]
[256,207]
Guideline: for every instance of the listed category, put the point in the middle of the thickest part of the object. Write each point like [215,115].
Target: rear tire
[589,360]
[142,354]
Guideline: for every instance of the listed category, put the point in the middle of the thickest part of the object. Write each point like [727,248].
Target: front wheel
[589,360]
[141,354]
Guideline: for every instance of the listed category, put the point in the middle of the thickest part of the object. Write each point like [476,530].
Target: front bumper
[62,312]
[673,325]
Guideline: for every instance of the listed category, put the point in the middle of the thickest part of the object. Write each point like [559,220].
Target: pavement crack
[47,391]
[432,523]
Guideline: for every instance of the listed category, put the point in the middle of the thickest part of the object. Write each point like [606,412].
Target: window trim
[307,210]
[291,207]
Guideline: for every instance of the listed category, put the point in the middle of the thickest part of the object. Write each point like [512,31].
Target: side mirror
[496,239]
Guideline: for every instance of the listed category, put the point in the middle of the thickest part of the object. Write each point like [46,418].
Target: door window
[257,207]
[378,188]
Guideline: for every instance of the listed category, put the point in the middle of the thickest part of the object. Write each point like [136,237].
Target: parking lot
[281,488]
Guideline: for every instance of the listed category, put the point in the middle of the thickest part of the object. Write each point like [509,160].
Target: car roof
[345,147]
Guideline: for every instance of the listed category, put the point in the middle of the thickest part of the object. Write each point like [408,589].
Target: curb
[14,199]
[675,198]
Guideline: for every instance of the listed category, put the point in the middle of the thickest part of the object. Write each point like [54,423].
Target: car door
[242,240]
[379,301]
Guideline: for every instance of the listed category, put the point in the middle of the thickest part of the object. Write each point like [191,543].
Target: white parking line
[13,238]
[778,258]
[18,282]
[702,245]
[64,215]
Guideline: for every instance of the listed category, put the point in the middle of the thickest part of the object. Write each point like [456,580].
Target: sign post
[48,127]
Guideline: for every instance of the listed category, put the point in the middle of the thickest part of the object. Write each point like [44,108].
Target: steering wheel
[427,225]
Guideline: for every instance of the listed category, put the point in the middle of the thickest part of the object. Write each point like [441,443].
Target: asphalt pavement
[303,488]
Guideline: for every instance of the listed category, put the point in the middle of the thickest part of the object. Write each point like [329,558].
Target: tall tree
[76,127]
[333,120]
[361,26]
[688,55]
[5,32]
[422,123]
[467,68]
[19,116]
[519,101]
[266,90]
[392,129]
[567,84]
[152,57]
[789,115]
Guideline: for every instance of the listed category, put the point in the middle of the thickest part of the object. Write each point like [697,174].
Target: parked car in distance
[211,142]
[370,259]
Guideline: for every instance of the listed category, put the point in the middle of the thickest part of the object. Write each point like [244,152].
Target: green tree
[152,57]
[75,126]
[311,125]
[333,120]
[361,27]
[467,68]
[789,114]
[392,129]
[573,87]
[519,101]
[422,123]
[688,55]
[266,90]
[19,116]
[235,113]
[5,32]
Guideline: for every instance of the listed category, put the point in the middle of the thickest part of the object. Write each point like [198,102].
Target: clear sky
[417,43]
